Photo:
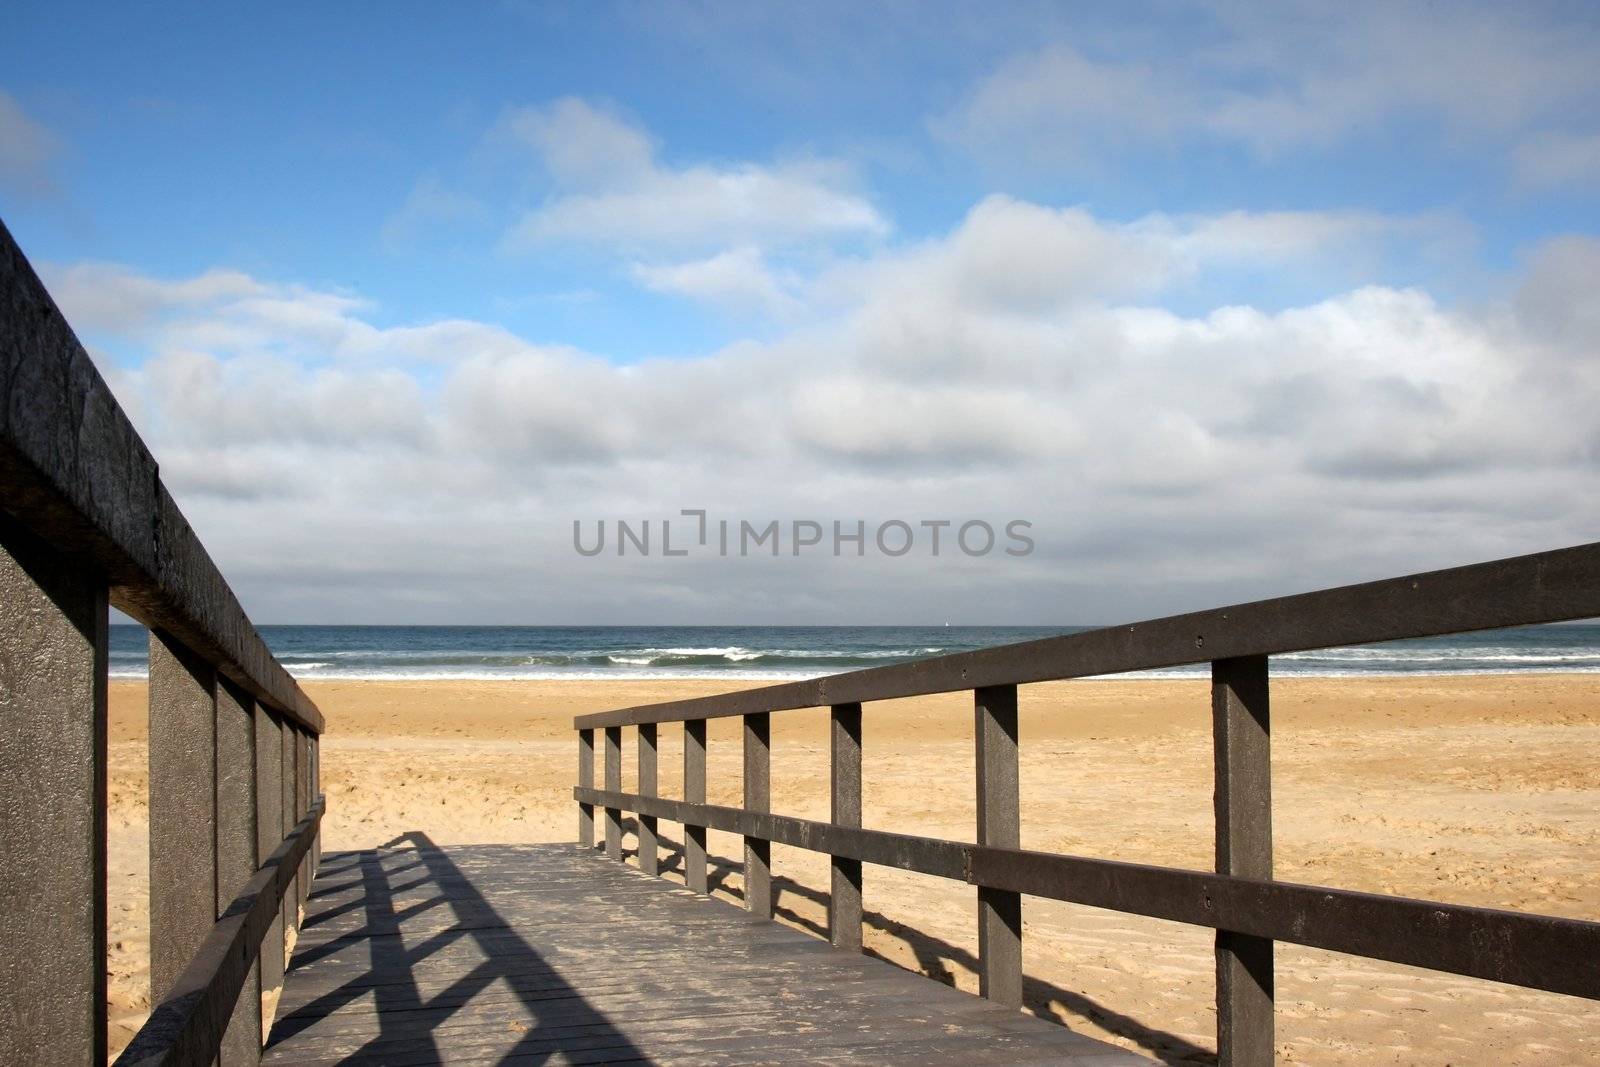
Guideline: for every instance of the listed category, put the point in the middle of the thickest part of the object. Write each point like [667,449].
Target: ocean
[789,652]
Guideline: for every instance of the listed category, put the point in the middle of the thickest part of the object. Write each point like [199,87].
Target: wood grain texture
[758,797]
[649,851]
[586,778]
[1241,735]
[53,829]
[183,808]
[999,826]
[614,782]
[694,792]
[269,830]
[236,852]
[844,899]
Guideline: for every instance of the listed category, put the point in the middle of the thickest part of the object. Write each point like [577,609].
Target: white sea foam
[755,655]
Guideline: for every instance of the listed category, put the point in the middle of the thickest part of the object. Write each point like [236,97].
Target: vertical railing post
[844,903]
[1241,734]
[302,806]
[999,825]
[269,831]
[236,852]
[291,895]
[314,750]
[53,620]
[586,781]
[183,808]
[694,792]
[648,852]
[614,785]
[758,797]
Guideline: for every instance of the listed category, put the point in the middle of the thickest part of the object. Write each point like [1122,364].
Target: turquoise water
[783,652]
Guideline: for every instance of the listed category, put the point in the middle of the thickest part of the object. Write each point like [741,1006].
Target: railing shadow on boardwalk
[935,956]
[406,1018]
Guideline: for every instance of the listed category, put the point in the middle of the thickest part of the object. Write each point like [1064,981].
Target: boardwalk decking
[550,954]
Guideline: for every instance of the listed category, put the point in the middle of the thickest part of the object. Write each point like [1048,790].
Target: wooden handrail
[187,1027]
[1556,954]
[1241,901]
[85,524]
[1543,587]
[74,471]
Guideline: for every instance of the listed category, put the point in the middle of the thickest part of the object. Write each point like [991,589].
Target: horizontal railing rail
[1249,910]
[75,472]
[1558,955]
[234,750]
[1544,587]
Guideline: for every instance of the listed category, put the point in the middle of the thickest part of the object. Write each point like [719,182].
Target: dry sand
[1473,790]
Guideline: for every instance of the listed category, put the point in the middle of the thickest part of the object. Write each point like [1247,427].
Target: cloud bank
[1028,363]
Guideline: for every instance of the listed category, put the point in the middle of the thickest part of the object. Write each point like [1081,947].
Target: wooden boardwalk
[550,954]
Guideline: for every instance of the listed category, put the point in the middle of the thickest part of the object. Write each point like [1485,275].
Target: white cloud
[1010,255]
[737,280]
[581,144]
[28,151]
[612,189]
[105,296]
[1555,302]
[1019,367]
[1280,78]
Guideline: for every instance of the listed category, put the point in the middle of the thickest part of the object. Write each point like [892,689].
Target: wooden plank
[1241,739]
[758,798]
[1543,587]
[844,901]
[694,791]
[236,852]
[586,779]
[614,783]
[1000,826]
[183,802]
[649,853]
[783,1036]
[575,972]
[52,829]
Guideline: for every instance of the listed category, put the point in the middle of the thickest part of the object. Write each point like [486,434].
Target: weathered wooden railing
[234,810]
[1241,901]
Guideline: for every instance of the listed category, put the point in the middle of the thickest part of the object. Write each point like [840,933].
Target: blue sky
[843,221]
[284,145]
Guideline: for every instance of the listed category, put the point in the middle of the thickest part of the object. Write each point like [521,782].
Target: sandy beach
[1480,790]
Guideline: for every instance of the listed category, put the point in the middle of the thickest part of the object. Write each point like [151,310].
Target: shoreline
[1163,674]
